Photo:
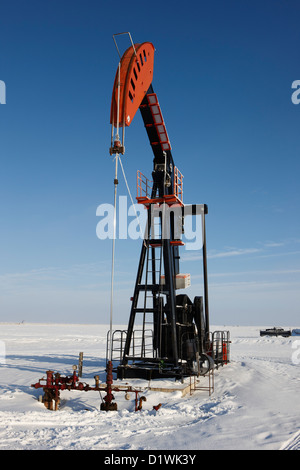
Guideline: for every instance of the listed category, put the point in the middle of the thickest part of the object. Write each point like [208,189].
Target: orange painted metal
[136,74]
[158,121]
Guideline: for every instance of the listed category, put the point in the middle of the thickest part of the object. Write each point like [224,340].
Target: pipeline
[54,383]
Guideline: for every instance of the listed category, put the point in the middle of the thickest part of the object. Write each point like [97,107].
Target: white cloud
[273,244]
[235,252]
[221,254]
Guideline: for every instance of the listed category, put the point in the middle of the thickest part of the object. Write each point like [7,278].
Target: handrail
[144,187]
[178,184]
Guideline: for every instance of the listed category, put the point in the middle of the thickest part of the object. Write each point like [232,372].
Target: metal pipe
[205,274]
[120,34]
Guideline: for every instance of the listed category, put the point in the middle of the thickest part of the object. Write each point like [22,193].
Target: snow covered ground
[255,404]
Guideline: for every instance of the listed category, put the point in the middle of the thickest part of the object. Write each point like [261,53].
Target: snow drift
[255,404]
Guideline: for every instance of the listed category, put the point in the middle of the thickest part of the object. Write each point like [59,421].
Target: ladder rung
[152,287]
[144,310]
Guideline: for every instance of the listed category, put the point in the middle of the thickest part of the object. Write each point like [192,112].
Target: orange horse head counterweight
[132,81]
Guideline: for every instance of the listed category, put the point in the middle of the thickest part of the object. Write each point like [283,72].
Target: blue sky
[223,73]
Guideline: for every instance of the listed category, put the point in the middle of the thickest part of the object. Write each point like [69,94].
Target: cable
[113,255]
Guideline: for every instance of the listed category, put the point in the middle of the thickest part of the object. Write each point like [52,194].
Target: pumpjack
[168,334]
